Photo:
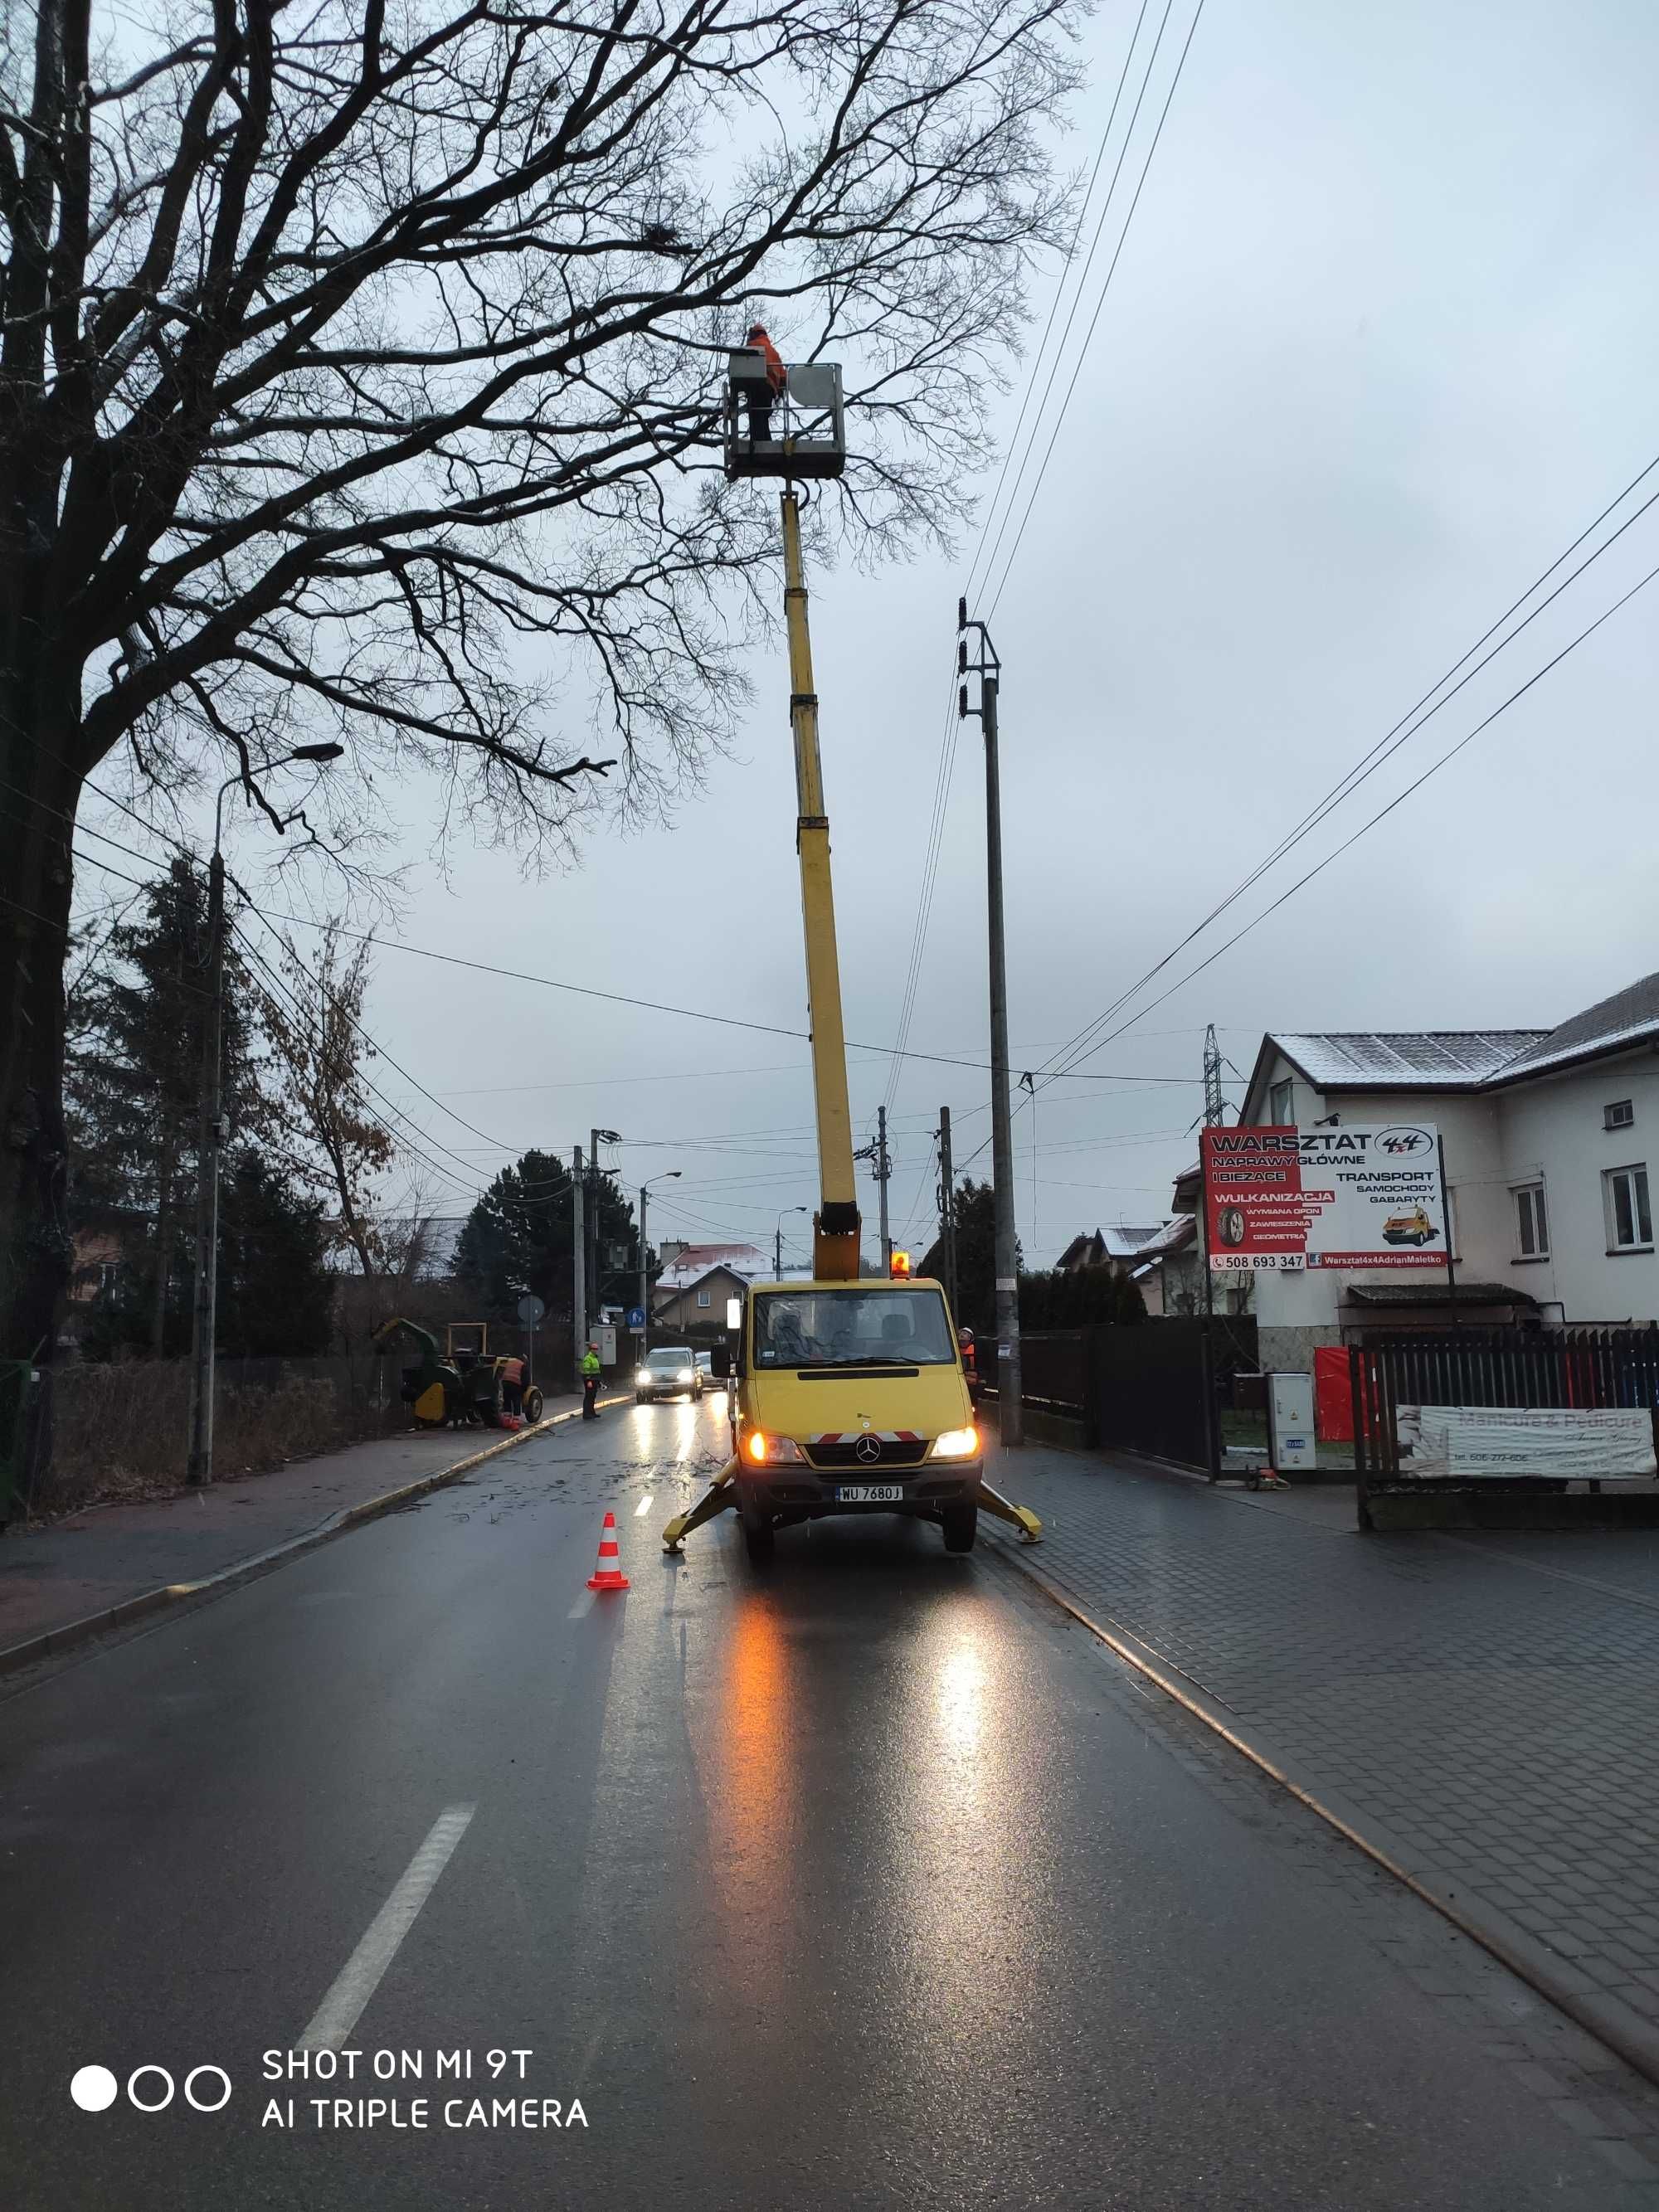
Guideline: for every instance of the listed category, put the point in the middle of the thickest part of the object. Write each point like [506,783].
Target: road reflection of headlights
[957,1444]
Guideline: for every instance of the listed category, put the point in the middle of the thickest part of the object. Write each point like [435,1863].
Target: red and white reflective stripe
[882,1436]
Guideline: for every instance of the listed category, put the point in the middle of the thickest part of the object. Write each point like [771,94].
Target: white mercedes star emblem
[867,1448]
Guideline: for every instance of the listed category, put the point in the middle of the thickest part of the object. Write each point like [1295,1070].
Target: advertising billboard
[1361,1195]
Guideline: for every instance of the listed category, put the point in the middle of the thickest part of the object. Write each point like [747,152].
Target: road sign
[531,1310]
[636,1317]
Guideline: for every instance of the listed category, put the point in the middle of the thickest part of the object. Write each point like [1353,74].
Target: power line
[948,739]
[1088,334]
[1398,799]
[1393,740]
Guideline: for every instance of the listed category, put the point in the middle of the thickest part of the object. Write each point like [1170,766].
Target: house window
[702,1297]
[1621,1115]
[1532,1227]
[1630,1223]
[1281,1104]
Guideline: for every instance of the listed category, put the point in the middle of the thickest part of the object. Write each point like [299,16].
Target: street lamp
[777,1240]
[205,1301]
[669,1175]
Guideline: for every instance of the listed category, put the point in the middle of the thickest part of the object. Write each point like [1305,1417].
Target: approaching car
[706,1367]
[666,1372]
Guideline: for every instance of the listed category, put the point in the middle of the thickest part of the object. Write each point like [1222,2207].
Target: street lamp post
[777,1242]
[669,1175]
[204,1300]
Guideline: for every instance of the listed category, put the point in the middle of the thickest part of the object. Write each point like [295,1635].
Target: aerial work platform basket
[808,434]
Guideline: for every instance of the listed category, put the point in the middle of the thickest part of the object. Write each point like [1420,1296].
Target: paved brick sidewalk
[1484,1709]
[111,1554]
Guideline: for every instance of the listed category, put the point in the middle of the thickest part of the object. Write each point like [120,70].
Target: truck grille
[846,1455]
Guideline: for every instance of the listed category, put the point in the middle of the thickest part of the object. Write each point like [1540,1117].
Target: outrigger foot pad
[1020,1516]
[721,1498]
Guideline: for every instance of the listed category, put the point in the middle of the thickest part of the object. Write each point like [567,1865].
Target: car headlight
[770,1451]
[641,1375]
[688,1375]
[957,1444]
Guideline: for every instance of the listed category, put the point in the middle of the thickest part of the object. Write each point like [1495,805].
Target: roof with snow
[1406,1059]
[1119,1242]
[690,1266]
[1627,1017]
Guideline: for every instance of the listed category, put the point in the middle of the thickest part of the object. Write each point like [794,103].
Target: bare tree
[358,370]
[339,1143]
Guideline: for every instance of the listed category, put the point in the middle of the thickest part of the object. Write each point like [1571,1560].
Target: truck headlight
[770,1451]
[957,1444]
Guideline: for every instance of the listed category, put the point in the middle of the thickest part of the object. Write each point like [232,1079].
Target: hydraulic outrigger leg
[721,1498]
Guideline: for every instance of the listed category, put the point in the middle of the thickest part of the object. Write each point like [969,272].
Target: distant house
[1118,1247]
[1547,1136]
[692,1290]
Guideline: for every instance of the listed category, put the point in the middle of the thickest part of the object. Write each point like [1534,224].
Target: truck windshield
[852,1328]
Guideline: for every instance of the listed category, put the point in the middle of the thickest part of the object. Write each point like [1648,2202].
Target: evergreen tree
[1078,1298]
[517,1236]
[276,1292]
[976,1257]
[136,1029]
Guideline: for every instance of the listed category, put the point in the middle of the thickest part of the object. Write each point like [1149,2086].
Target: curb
[51,1642]
[1606,2018]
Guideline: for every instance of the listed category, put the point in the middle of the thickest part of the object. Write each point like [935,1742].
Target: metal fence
[1565,1369]
[1145,1388]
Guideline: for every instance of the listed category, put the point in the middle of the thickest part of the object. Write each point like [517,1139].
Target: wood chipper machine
[465,1386]
[851,1394]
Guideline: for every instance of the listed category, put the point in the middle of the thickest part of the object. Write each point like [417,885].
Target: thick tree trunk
[40,737]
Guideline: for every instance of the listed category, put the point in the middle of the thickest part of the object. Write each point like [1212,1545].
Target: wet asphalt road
[857,1883]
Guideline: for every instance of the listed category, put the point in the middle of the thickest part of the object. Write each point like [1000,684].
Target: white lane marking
[584,1604]
[340,2010]
[643,1507]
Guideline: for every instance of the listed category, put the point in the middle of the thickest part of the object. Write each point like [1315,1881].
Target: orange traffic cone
[608,1575]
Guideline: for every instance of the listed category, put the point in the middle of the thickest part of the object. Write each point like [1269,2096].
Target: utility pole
[670,1175]
[205,1301]
[947,1210]
[1214,1113]
[883,1168]
[1010,1407]
[595,1250]
[578,1286]
[198,1467]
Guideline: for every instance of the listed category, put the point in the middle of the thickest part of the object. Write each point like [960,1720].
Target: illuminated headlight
[770,1451]
[957,1444]
[688,1375]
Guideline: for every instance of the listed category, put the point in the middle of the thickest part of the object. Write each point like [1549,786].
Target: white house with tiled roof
[1549,1137]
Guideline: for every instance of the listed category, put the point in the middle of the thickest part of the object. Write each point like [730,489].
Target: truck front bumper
[801,1491]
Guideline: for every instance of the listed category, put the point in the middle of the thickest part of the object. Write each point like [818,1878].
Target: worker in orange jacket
[763,398]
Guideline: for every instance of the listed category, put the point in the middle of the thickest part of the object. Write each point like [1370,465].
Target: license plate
[869,1493]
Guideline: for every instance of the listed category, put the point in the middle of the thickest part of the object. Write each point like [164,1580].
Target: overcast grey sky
[1380,343]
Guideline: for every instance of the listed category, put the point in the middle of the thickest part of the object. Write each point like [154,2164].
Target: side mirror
[720,1362]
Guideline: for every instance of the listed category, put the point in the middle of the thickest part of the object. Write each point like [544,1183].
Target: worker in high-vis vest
[591,1374]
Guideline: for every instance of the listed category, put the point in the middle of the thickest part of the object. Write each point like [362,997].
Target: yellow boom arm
[836,1225]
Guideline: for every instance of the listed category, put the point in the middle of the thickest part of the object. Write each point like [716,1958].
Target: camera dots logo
[151,2088]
